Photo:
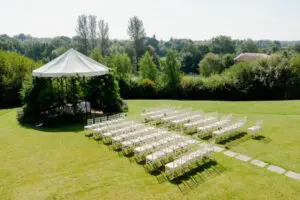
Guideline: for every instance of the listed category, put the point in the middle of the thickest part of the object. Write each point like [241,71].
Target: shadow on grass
[197,176]
[235,139]
[208,137]
[55,129]
[262,138]
[238,141]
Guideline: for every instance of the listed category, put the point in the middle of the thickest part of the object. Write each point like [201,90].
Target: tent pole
[66,93]
[63,92]
[86,114]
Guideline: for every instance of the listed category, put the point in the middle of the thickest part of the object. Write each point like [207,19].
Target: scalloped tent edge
[71,63]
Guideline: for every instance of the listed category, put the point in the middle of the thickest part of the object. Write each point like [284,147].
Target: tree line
[146,67]
[94,33]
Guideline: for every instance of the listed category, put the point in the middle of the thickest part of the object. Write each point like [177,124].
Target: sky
[192,19]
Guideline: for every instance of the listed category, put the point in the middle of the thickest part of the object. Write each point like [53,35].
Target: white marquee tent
[71,63]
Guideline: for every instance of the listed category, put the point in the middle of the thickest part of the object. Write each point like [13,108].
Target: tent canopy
[69,64]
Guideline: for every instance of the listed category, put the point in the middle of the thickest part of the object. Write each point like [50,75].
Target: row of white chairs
[113,126]
[97,120]
[156,145]
[176,117]
[155,111]
[144,139]
[214,125]
[201,121]
[176,114]
[123,130]
[158,116]
[167,114]
[190,118]
[104,123]
[170,150]
[188,158]
[131,135]
[230,128]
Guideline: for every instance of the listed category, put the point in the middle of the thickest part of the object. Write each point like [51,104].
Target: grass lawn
[63,164]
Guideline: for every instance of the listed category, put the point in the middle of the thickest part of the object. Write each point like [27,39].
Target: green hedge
[274,79]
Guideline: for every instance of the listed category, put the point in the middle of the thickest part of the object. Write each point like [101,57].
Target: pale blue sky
[194,19]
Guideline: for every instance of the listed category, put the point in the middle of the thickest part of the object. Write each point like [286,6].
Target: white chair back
[97,120]
[90,122]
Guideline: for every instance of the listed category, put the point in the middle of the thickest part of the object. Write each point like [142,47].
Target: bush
[214,87]
[210,64]
[135,88]
[147,88]
[104,93]
[121,63]
[13,70]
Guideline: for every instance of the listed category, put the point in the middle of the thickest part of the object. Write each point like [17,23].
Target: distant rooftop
[250,56]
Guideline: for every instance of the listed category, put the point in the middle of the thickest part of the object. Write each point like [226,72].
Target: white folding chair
[256,128]
[97,120]
[90,122]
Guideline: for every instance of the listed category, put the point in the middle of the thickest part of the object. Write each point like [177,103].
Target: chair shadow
[236,139]
[262,138]
[197,176]
[208,137]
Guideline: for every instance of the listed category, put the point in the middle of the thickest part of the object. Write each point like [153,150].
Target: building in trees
[250,57]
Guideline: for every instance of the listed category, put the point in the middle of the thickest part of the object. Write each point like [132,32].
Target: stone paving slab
[259,163]
[243,157]
[230,153]
[276,169]
[218,149]
[293,175]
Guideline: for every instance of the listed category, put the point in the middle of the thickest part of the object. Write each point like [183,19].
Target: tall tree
[96,55]
[103,37]
[192,55]
[171,68]
[188,63]
[152,41]
[121,63]
[83,32]
[148,68]
[248,46]
[275,46]
[137,33]
[93,31]
[222,45]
